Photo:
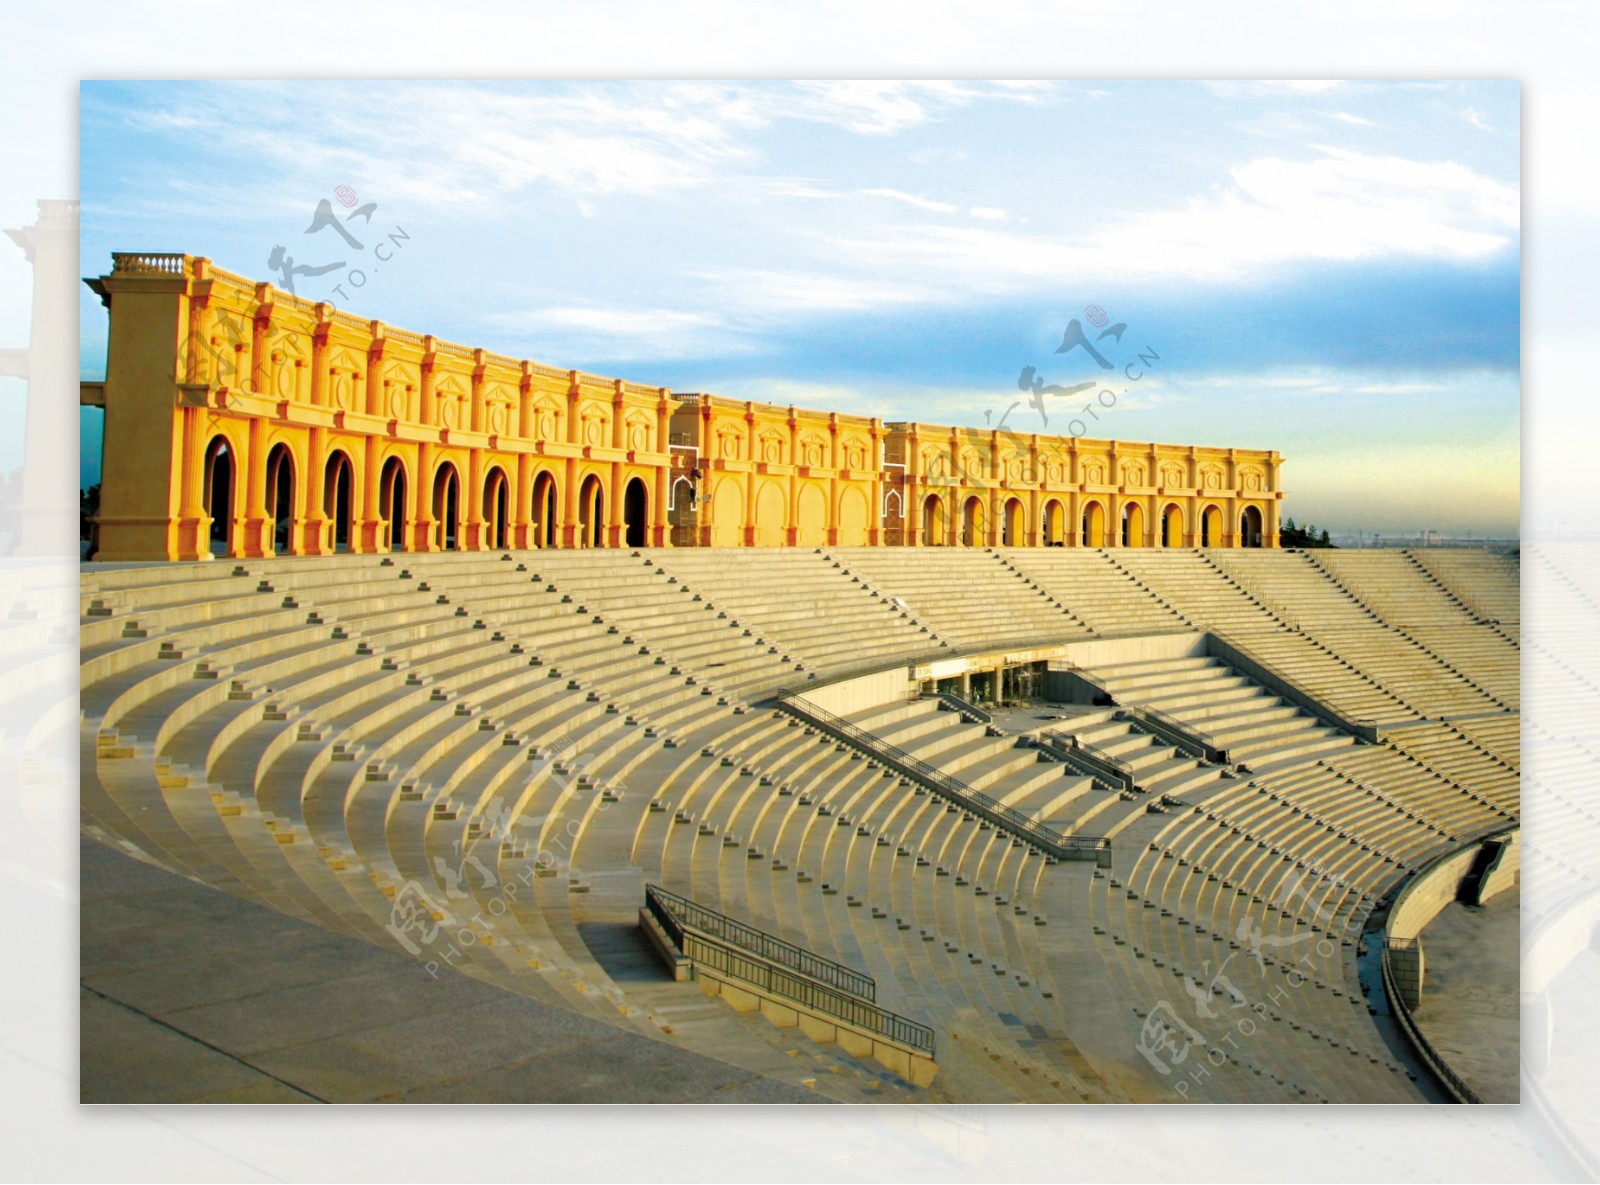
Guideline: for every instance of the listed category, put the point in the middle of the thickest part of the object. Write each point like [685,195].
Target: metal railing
[1251,665]
[1448,1078]
[1046,839]
[759,942]
[1187,739]
[714,951]
[1089,760]
[956,704]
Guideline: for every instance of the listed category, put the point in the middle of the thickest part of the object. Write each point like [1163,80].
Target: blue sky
[1329,269]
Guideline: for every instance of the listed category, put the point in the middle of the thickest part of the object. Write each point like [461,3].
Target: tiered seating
[1328,613]
[1103,595]
[508,746]
[1190,583]
[1234,713]
[1487,583]
[803,602]
[968,597]
[1395,586]
[434,741]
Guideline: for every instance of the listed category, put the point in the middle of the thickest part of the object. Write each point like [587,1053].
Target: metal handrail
[716,952]
[1046,839]
[1451,1081]
[1187,739]
[863,1014]
[1364,727]
[956,704]
[759,942]
[1089,759]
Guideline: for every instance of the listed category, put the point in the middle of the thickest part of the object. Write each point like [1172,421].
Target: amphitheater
[889,823]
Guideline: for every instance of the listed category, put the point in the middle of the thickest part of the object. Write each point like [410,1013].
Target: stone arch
[636,513]
[853,517]
[727,513]
[811,516]
[1250,527]
[542,509]
[392,508]
[446,507]
[770,519]
[339,498]
[280,495]
[1172,525]
[219,497]
[973,522]
[1094,524]
[935,525]
[592,512]
[1055,518]
[496,507]
[1014,523]
[1133,525]
[1211,526]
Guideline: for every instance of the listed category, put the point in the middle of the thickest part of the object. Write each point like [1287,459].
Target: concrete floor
[190,995]
[1471,993]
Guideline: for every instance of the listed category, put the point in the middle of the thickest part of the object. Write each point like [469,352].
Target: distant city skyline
[1328,269]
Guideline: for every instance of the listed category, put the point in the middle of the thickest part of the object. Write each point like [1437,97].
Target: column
[256,527]
[314,532]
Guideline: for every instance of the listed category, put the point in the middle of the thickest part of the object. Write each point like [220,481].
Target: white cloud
[883,108]
[772,291]
[912,199]
[1272,88]
[988,213]
[1347,117]
[620,333]
[938,156]
[1339,205]
[1471,116]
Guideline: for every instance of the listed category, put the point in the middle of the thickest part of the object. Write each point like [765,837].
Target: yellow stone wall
[244,421]
[993,488]
[781,476]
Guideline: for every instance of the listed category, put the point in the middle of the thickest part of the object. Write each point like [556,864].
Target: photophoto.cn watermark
[1100,345]
[1097,349]
[1184,1056]
[421,919]
[384,245]
[233,333]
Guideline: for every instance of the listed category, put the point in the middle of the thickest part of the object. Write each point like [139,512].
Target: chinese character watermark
[324,218]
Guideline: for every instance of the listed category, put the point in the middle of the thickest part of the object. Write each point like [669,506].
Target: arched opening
[1250,527]
[972,522]
[446,506]
[543,510]
[1172,526]
[1013,526]
[636,513]
[1133,525]
[681,516]
[894,519]
[1211,527]
[338,498]
[218,495]
[392,503]
[933,521]
[280,496]
[1054,521]
[591,513]
[1094,525]
[727,512]
[496,507]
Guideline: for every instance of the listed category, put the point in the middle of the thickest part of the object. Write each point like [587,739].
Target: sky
[1328,269]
